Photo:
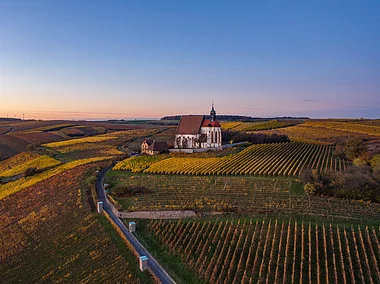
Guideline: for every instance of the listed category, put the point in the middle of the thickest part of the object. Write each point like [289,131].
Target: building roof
[148,141]
[208,123]
[190,124]
[158,146]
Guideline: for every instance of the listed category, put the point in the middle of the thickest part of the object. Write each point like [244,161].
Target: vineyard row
[273,251]
[279,159]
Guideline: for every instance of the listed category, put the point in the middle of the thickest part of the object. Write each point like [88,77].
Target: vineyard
[357,127]
[48,235]
[269,251]
[257,126]
[45,132]
[49,232]
[281,159]
[230,125]
[22,183]
[50,125]
[330,132]
[15,143]
[101,145]
[71,142]
[242,194]
[138,164]
[20,163]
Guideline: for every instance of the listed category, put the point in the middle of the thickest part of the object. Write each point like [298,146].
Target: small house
[153,148]
[145,144]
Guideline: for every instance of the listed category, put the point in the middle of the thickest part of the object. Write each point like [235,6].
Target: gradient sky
[145,59]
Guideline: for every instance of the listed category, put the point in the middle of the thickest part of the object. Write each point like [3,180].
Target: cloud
[309,100]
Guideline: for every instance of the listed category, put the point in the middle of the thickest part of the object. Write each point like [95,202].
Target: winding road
[11,129]
[154,266]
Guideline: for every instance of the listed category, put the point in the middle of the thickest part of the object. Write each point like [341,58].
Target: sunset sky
[146,59]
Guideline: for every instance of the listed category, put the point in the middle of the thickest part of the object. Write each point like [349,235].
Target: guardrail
[137,248]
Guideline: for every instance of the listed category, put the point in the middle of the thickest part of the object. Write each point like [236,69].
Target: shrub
[255,138]
[33,147]
[355,148]
[375,161]
[310,188]
[358,183]
[90,180]
[339,150]
[31,172]
[127,191]
[306,176]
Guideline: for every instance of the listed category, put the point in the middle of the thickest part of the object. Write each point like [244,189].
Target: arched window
[212,136]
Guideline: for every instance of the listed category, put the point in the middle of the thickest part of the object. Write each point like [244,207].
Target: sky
[77,59]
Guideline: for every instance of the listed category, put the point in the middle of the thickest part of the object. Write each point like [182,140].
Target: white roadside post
[132,227]
[143,262]
[100,206]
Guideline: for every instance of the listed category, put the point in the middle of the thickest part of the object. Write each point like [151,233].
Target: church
[195,133]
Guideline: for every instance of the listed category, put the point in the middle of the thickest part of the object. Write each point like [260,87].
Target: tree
[339,150]
[31,171]
[375,163]
[355,148]
[310,188]
[31,147]
[306,176]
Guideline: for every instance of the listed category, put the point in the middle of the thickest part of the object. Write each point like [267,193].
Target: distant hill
[238,118]
[9,119]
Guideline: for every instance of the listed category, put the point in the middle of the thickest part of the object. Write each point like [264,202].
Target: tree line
[361,181]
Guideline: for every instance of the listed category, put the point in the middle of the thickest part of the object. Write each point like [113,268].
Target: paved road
[152,263]
[225,146]
[9,131]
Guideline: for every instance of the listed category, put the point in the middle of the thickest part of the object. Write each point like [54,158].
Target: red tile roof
[190,124]
[208,123]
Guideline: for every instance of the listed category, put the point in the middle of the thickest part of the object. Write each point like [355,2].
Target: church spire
[212,113]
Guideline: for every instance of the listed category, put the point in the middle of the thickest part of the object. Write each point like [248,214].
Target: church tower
[212,113]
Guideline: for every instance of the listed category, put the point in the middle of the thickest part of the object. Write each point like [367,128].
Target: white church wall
[190,140]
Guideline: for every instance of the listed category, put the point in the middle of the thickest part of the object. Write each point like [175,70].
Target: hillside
[240,118]
[49,233]
[253,219]
[17,135]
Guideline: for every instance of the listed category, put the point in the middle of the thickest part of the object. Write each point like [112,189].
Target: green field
[243,195]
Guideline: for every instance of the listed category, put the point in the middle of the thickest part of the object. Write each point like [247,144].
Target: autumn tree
[355,148]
